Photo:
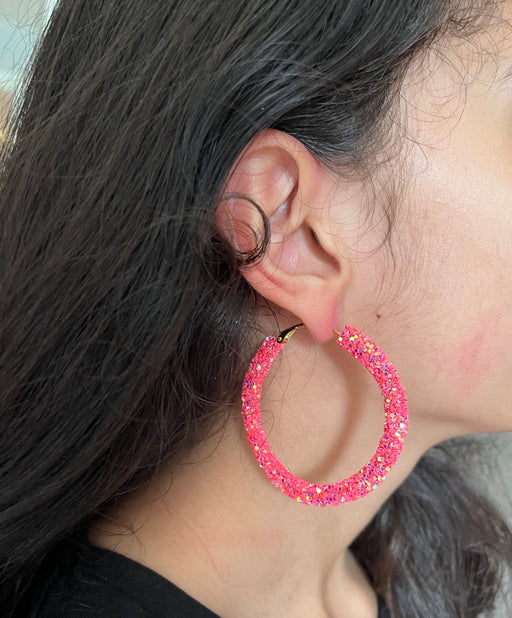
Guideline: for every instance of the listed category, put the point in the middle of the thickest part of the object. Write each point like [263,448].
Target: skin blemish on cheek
[476,356]
[469,353]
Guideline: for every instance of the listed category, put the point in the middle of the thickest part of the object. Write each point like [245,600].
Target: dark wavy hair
[122,310]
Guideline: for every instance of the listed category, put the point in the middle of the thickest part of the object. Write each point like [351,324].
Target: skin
[436,297]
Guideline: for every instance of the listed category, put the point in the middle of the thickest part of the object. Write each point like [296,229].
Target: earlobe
[277,178]
[315,300]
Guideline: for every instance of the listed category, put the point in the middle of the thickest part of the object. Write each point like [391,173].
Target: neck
[217,528]
[225,535]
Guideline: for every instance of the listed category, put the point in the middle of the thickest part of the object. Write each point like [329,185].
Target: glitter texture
[372,474]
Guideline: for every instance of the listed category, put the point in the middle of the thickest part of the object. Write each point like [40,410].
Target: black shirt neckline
[151,592]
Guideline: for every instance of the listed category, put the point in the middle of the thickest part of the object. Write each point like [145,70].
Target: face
[444,312]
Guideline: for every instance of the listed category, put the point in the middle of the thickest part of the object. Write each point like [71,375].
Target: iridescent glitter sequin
[373,473]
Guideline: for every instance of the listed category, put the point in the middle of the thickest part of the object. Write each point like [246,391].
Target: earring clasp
[286,334]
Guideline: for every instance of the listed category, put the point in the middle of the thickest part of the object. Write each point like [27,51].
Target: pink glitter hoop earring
[396,423]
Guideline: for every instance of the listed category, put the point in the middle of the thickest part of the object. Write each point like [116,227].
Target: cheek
[449,326]
[453,315]
[459,338]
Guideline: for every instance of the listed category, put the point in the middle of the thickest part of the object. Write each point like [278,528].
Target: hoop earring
[396,423]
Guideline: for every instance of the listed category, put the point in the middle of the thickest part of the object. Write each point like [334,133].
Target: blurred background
[21,22]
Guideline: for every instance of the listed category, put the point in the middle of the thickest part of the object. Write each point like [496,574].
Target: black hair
[122,311]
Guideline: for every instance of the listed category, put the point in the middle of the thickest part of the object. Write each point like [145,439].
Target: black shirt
[81,581]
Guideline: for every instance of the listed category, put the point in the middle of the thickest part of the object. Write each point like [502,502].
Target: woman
[183,179]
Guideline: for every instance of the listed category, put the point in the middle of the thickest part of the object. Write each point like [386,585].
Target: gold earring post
[286,334]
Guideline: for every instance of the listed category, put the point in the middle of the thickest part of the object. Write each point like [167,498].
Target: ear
[302,270]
